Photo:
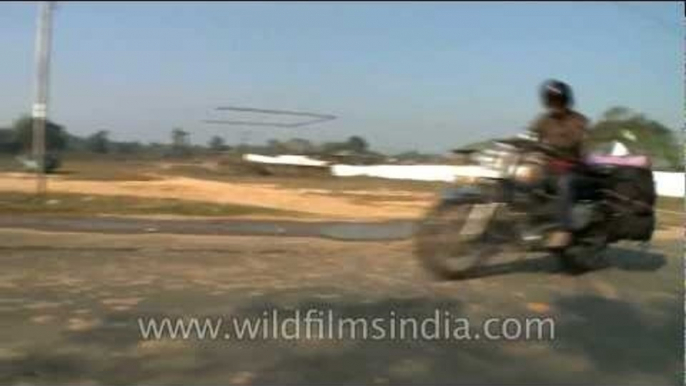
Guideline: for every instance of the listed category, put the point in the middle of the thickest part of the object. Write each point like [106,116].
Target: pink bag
[639,161]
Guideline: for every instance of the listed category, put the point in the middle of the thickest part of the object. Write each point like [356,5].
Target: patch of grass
[222,169]
[123,168]
[8,163]
[92,167]
[106,169]
[675,211]
[675,204]
[381,198]
[342,184]
[205,172]
[77,204]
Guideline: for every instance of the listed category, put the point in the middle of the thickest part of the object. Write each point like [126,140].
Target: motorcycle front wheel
[442,248]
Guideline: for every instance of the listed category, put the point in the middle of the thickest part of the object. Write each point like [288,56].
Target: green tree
[274,146]
[180,138]
[297,146]
[217,143]
[357,144]
[55,135]
[180,142]
[617,113]
[8,143]
[99,142]
[128,147]
[651,137]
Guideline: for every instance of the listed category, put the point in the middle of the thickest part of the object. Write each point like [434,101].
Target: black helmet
[556,93]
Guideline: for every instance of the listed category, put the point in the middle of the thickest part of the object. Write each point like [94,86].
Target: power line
[318,118]
[662,24]
[276,112]
[266,124]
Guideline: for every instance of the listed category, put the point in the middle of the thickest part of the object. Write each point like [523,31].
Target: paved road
[341,230]
[69,303]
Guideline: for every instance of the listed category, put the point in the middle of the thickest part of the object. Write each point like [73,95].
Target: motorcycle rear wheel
[586,254]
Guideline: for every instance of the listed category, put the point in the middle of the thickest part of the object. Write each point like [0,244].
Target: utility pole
[39,112]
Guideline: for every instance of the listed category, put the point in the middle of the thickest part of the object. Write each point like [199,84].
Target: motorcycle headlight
[528,174]
[530,170]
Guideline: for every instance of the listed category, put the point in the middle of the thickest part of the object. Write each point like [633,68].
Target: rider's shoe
[559,239]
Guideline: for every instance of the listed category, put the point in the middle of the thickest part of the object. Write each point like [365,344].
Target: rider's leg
[565,201]
[566,195]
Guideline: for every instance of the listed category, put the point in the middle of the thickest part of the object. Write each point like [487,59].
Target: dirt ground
[344,204]
[69,304]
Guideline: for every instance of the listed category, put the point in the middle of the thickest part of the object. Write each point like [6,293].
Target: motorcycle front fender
[466,194]
[489,190]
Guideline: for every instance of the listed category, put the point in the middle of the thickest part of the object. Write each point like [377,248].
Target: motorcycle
[510,205]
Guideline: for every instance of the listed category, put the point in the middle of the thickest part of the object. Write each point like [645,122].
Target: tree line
[18,139]
[651,137]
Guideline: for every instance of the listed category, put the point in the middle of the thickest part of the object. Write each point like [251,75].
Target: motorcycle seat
[638,161]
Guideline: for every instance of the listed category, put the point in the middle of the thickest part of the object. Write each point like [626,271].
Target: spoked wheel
[443,248]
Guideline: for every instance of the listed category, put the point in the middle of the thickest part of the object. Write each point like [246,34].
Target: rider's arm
[585,123]
[534,129]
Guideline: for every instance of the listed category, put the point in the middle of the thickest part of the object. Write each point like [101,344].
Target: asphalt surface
[70,301]
[341,230]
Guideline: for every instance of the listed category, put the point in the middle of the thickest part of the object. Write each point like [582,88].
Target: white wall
[284,160]
[668,184]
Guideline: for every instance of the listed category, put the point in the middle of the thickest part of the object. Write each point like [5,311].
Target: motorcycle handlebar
[535,146]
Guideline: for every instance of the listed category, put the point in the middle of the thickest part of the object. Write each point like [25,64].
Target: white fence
[411,172]
[284,160]
[667,184]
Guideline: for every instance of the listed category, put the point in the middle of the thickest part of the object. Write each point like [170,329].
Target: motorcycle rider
[565,130]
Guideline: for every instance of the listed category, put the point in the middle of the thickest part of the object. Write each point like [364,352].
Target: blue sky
[426,76]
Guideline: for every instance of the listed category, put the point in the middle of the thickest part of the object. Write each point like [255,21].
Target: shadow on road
[618,337]
[621,258]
